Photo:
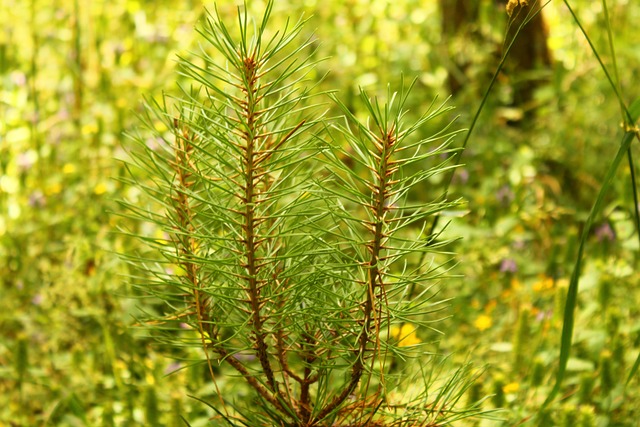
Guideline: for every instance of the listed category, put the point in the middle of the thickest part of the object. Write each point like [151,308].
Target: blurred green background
[72,77]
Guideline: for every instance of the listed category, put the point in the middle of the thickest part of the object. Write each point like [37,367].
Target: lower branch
[253,382]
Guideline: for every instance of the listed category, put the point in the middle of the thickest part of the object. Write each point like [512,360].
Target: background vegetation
[73,75]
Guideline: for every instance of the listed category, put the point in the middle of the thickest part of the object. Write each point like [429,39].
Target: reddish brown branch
[374,276]
[253,382]
[251,240]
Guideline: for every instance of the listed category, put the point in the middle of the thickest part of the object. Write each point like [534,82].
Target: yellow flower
[89,128]
[68,168]
[53,189]
[483,322]
[100,189]
[545,283]
[511,388]
[406,335]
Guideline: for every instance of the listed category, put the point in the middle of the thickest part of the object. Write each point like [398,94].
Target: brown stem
[251,241]
[253,382]
[308,379]
[185,240]
[374,277]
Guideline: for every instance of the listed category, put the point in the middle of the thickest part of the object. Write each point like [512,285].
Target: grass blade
[572,292]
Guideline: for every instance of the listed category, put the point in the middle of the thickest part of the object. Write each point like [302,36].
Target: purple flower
[25,161]
[519,244]
[504,195]
[37,299]
[508,265]
[542,315]
[461,176]
[19,79]
[63,114]
[37,199]
[33,117]
[172,367]
[605,233]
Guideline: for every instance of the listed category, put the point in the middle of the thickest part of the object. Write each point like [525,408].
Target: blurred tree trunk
[458,22]
[530,54]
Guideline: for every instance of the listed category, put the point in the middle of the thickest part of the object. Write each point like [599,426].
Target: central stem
[250,199]
[380,194]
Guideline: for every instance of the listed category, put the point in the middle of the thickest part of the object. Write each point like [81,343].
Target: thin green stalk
[572,292]
[634,110]
[614,61]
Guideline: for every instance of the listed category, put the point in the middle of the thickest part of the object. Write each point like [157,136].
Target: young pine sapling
[296,248]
